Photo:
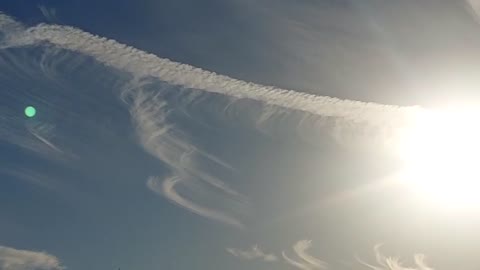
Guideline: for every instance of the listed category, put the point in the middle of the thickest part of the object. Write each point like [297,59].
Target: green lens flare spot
[30,111]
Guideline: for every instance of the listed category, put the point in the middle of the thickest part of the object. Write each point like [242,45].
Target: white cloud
[150,111]
[167,189]
[251,254]
[9,25]
[297,264]
[473,6]
[393,263]
[168,143]
[301,248]
[307,262]
[143,65]
[14,259]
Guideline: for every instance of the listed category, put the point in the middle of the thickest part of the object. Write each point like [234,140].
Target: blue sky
[135,162]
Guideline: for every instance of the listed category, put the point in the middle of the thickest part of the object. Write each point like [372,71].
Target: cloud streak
[34,138]
[393,263]
[142,64]
[301,248]
[15,259]
[49,13]
[151,111]
[474,7]
[167,189]
[251,254]
[307,262]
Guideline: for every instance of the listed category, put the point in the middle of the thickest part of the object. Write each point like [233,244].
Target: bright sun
[442,155]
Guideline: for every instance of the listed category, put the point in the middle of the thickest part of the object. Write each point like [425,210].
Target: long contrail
[143,64]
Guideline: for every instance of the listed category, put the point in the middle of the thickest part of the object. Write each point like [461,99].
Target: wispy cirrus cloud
[474,7]
[307,261]
[167,188]
[36,137]
[48,12]
[297,264]
[301,248]
[394,263]
[15,259]
[151,111]
[31,176]
[253,253]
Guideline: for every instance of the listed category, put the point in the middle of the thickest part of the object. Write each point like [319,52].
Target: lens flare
[30,111]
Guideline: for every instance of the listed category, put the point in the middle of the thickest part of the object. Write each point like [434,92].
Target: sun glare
[441,151]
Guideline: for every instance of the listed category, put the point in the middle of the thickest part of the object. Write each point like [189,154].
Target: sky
[227,134]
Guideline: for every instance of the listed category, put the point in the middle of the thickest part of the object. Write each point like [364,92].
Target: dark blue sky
[86,180]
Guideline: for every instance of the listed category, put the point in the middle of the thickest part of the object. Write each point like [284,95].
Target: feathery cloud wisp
[307,262]
[393,263]
[295,263]
[474,7]
[301,248]
[253,253]
[15,259]
[169,144]
[167,189]
[49,13]
[150,111]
